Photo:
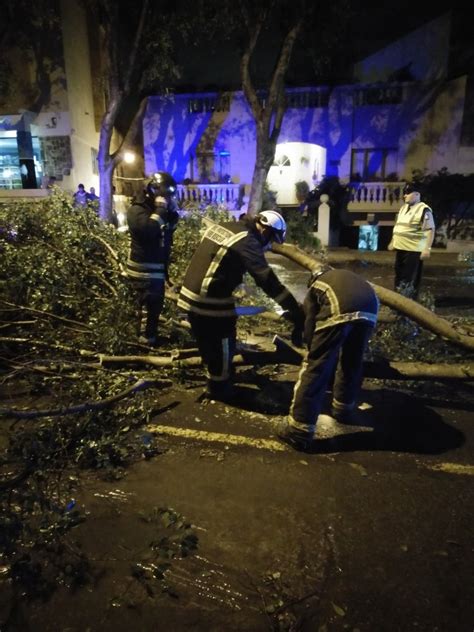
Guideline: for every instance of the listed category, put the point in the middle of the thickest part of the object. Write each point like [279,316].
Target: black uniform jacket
[150,230]
[339,296]
[217,267]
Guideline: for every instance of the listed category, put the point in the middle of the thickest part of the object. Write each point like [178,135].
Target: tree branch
[276,93]
[47,345]
[284,353]
[247,83]
[135,48]
[140,385]
[44,313]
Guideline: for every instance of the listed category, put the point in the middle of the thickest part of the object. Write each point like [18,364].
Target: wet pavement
[372,533]
[448,280]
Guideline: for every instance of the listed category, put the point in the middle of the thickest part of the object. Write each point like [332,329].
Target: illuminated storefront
[21,164]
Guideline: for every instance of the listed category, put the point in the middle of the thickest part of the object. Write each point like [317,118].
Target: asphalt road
[371,533]
[448,280]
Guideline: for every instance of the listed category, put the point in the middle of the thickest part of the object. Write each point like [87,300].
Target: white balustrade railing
[227,194]
[375,196]
[364,196]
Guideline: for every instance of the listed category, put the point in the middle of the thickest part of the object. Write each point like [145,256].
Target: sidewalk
[439,257]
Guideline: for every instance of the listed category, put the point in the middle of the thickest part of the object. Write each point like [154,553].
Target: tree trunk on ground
[412,309]
[379,370]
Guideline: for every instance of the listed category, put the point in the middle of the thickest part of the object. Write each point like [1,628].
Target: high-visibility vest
[411,228]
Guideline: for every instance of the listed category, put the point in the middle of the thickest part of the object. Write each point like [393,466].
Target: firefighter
[225,254]
[341,311]
[151,220]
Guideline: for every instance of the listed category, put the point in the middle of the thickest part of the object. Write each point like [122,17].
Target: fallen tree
[416,312]
[281,352]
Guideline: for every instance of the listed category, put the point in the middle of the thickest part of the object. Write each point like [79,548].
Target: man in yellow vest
[412,238]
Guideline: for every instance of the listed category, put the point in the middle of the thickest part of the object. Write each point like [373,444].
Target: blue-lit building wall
[420,131]
[401,114]
[175,135]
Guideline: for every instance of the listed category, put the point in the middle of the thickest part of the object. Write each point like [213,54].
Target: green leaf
[338,610]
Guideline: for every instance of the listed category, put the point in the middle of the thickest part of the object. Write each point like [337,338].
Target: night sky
[376,25]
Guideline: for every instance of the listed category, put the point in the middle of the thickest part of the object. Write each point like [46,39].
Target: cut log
[416,312]
[285,353]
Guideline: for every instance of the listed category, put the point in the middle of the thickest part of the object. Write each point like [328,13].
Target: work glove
[297,317]
[297,336]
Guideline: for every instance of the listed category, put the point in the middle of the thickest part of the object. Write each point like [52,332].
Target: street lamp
[129,157]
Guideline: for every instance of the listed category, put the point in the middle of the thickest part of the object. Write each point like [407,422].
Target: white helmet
[275,221]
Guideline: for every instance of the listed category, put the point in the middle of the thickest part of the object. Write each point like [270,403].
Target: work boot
[224,392]
[297,439]
[351,416]
[344,416]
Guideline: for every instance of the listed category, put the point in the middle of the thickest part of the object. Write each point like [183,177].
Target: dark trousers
[408,271]
[335,352]
[150,298]
[216,339]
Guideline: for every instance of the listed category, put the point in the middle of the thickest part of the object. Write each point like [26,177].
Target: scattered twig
[48,345]
[40,369]
[106,246]
[15,323]
[140,385]
[44,313]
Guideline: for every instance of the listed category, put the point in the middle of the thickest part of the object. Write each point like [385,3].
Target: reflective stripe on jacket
[225,254]
[336,297]
[150,240]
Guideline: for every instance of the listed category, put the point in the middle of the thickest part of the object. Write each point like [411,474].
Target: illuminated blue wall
[173,135]
[403,108]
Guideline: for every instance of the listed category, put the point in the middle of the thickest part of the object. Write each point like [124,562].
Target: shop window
[12,171]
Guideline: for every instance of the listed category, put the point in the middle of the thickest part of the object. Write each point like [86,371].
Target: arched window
[282,161]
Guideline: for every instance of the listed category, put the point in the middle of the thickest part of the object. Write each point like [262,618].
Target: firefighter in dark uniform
[151,221]
[217,267]
[341,311]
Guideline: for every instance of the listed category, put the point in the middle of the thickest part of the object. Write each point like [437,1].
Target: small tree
[138,56]
[449,195]
[289,22]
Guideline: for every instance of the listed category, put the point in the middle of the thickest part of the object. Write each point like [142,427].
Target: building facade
[49,119]
[404,112]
